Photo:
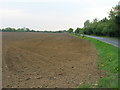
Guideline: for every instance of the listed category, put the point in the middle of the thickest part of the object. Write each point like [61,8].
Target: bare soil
[47,60]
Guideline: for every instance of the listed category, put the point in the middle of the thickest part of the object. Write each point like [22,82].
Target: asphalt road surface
[110,40]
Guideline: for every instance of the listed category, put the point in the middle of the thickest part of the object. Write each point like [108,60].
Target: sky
[52,14]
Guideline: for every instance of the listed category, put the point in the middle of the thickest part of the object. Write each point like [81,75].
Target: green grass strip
[108,61]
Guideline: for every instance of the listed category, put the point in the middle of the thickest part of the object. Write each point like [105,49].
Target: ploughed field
[47,60]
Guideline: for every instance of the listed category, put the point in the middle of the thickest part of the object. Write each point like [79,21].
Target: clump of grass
[109,82]
[108,61]
[108,55]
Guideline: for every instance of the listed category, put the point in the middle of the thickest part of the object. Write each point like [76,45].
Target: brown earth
[33,60]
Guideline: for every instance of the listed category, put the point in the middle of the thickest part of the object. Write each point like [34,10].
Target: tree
[86,23]
[117,19]
[95,20]
[107,26]
[27,29]
[77,30]
[70,30]
[112,14]
[8,29]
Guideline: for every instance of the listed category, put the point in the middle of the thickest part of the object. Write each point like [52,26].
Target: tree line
[28,30]
[8,29]
[17,30]
[106,27]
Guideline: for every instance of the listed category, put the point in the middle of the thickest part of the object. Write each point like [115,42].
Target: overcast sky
[52,14]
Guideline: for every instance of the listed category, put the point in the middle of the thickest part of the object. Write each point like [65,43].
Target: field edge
[108,61]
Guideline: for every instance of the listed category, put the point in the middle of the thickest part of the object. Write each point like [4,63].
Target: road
[110,40]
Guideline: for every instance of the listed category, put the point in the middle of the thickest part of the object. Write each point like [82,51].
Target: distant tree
[32,31]
[17,30]
[104,20]
[70,30]
[64,31]
[20,30]
[27,29]
[95,20]
[8,29]
[86,23]
[77,30]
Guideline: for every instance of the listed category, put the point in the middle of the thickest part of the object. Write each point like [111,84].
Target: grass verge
[108,61]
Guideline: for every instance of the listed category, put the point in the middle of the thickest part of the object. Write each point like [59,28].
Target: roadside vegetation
[106,27]
[108,61]
[108,54]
